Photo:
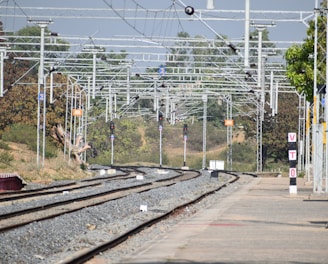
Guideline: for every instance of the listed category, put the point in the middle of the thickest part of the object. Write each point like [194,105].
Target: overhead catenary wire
[134,24]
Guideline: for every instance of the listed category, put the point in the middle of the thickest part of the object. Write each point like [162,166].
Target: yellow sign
[228,122]
[77,112]
[324,126]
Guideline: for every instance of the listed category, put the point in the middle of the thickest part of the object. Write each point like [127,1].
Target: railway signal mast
[112,128]
[160,128]
[185,137]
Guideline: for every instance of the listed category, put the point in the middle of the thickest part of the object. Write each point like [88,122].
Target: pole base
[111,171]
[292,189]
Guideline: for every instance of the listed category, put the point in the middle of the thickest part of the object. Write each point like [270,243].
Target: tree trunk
[58,133]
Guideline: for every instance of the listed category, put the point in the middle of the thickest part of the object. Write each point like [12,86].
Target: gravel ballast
[53,240]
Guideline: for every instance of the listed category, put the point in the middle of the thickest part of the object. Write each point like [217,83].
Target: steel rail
[87,254]
[13,220]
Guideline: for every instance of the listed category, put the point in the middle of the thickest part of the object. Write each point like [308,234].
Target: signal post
[185,137]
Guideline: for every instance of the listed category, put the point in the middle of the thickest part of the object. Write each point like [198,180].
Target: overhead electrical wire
[155,29]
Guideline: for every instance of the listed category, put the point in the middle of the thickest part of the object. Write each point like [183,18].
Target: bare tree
[58,133]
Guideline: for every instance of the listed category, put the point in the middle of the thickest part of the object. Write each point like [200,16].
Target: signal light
[160,119]
[112,126]
[185,129]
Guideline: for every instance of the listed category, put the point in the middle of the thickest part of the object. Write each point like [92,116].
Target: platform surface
[260,222]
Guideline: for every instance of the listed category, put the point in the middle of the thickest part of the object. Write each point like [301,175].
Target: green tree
[179,56]
[28,36]
[127,142]
[216,112]
[276,128]
[210,54]
[300,62]
[254,42]
[19,104]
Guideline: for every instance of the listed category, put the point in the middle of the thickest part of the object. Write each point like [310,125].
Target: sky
[79,25]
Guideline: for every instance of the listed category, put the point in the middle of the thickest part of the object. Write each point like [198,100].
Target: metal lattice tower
[228,99]
[320,81]
[113,84]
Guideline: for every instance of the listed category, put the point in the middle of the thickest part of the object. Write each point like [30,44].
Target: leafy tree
[300,62]
[127,142]
[275,129]
[211,53]
[180,56]
[26,43]
[19,104]
[216,112]
[28,36]
[253,44]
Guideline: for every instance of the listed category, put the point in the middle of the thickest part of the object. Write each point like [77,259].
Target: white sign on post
[216,164]
[292,173]
[292,154]
[292,137]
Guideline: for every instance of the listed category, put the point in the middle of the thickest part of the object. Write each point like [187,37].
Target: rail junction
[177,75]
[125,199]
[154,64]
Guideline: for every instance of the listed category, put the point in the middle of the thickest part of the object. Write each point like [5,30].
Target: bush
[27,134]
[20,133]
[4,146]
[6,158]
[243,152]
[243,157]
[214,136]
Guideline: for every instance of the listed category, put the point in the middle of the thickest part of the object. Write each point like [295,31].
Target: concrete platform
[259,223]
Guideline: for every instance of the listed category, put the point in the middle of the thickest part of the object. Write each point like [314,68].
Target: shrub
[4,146]
[243,152]
[27,134]
[6,158]
[20,133]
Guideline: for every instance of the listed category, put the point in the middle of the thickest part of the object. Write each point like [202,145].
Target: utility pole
[261,87]
[229,132]
[246,40]
[94,51]
[160,128]
[185,137]
[204,98]
[2,57]
[42,24]
[319,132]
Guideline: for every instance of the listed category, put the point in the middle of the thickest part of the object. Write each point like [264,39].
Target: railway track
[87,254]
[105,221]
[50,210]
[66,187]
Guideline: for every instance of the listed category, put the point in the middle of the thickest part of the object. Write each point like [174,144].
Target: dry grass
[194,158]
[25,164]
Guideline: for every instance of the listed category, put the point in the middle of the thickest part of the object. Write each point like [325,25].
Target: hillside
[18,158]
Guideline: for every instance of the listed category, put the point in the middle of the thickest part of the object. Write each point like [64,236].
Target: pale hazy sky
[105,28]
